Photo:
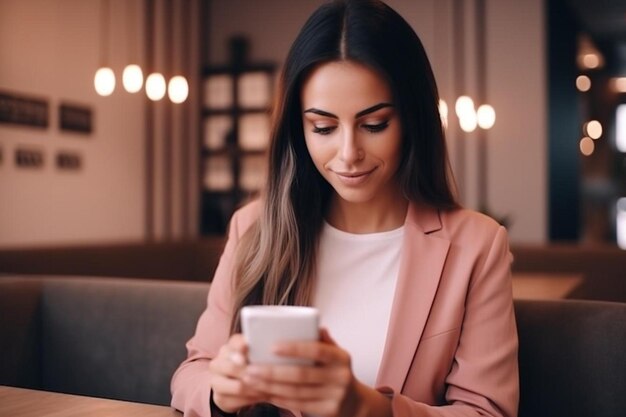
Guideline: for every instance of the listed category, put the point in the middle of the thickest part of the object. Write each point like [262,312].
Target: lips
[354,178]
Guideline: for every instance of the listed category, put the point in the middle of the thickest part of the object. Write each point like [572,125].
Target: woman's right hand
[230,393]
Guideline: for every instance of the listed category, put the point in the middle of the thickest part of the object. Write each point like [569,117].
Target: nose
[350,148]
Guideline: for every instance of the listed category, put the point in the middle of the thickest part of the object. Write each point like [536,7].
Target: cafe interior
[131,130]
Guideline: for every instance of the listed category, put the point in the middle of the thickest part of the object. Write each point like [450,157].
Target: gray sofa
[123,338]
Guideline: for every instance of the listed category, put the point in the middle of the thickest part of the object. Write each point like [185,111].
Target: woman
[358,219]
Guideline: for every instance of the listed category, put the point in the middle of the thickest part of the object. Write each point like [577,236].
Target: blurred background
[106,169]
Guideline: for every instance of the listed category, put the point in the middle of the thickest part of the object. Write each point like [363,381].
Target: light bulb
[468,121]
[104,81]
[583,83]
[586,146]
[178,89]
[464,105]
[593,129]
[486,116]
[155,86]
[132,78]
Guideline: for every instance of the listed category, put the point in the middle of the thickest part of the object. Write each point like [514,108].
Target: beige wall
[516,86]
[49,48]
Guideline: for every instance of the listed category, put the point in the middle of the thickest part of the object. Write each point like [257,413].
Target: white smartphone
[264,326]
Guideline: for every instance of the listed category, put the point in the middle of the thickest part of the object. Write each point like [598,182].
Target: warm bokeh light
[591,61]
[619,84]
[104,81]
[621,223]
[178,89]
[132,78]
[593,129]
[155,86]
[464,107]
[587,146]
[583,83]
[468,122]
[486,116]
[620,128]
[443,112]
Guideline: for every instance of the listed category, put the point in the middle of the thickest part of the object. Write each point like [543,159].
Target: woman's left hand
[327,389]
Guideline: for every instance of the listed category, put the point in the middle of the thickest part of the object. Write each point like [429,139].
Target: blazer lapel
[421,265]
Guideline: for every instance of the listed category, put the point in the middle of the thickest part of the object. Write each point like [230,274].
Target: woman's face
[352,131]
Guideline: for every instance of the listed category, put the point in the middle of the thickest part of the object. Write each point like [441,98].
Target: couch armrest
[20,332]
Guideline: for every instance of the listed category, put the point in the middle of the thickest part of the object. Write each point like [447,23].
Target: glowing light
[486,116]
[619,84]
[591,61]
[620,128]
[468,122]
[132,78]
[583,83]
[621,223]
[178,89]
[104,81]
[464,106]
[593,129]
[443,112]
[155,86]
[587,146]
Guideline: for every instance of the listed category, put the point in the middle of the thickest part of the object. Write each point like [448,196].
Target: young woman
[359,220]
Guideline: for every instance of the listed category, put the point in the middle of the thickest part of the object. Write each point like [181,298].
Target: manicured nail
[237,358]
[253,371]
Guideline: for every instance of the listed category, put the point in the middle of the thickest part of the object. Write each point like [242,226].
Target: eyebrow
[356,116]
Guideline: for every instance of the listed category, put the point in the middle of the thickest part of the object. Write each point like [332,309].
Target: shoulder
[245,217]
[468,227]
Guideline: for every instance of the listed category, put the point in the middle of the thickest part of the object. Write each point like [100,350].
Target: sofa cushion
[572,358]
[116,338]
[20,332]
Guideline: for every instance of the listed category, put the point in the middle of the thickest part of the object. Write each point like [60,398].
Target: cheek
[317,151]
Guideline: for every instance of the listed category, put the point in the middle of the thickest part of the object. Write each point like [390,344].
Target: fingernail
[237,358]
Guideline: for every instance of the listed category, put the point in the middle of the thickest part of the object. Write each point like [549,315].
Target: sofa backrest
[572,358]
[112,338]
[123,339]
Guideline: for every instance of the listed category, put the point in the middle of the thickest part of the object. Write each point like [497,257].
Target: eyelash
[370,128]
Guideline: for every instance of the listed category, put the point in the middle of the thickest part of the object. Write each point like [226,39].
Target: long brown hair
[276,256]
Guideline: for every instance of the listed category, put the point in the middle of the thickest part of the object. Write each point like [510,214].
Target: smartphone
[264,326]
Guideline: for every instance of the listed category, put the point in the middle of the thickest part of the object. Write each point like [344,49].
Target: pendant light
[104,80]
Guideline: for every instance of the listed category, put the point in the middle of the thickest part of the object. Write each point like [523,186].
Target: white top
[356,280]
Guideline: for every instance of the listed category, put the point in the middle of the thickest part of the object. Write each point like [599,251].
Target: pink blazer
[451,347]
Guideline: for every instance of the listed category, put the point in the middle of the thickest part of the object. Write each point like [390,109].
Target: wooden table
[19,402]
[544,285]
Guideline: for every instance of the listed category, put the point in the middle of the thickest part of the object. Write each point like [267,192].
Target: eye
[323,130]
[376,127]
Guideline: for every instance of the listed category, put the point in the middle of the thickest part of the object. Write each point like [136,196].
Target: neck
[370,217]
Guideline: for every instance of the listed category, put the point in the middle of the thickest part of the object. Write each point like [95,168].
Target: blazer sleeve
[484,377]
[191,383]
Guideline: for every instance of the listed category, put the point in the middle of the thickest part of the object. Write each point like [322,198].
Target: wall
[516,87]
[49,48]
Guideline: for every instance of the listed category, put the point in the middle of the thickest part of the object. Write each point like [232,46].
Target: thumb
[326,338]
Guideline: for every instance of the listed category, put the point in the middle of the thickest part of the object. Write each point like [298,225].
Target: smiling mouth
[354,178]
[354,174]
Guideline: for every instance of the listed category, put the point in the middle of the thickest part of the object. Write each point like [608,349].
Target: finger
[231,403]
[294,391]
[227,364]
[295,374]
[323,407]
[237,343]
[233,387]
[319,352]
[326,338]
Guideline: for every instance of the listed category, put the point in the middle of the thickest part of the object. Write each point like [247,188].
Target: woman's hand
[230,393]
[327,389]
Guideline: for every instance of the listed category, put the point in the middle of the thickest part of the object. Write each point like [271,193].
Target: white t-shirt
[356,280]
